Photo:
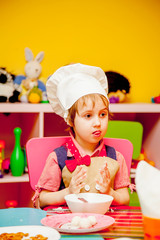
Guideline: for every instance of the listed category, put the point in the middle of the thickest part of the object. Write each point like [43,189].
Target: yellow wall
[118,35]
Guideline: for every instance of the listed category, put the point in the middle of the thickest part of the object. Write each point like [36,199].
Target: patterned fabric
[72,164]
[76,158]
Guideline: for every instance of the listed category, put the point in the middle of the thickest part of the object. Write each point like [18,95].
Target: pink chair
[38,149]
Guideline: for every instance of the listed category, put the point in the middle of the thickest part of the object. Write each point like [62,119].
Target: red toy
[2,146]
[11,203]
[156,99]
[6,165]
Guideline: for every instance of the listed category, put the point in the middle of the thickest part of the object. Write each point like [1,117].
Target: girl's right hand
[76,183]
[105,180]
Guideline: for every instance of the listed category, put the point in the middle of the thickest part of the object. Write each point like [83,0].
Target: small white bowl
[96,203]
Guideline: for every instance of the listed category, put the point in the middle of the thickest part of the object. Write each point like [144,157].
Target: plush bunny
[33,70]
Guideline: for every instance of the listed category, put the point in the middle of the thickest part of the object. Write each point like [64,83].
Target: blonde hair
[83,100]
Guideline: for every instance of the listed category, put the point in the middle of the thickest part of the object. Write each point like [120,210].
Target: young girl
[78,93]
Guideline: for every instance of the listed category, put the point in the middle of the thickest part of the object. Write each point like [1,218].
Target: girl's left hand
[77,180]
[105,181]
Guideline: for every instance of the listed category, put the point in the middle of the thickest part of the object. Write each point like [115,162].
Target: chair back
[38,149]
[131,130]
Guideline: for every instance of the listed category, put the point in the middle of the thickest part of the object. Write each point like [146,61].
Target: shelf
[46,108]
[25,107]
[8,178]
[135,108]
[39,120]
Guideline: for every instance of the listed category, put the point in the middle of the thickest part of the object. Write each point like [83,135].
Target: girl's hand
[76,183]
[105,181]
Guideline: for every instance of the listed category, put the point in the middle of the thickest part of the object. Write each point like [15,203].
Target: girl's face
[90,123]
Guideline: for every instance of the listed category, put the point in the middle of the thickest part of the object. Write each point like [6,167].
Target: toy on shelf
[35,95]
[9,91]
[25,160]
[144,157]
[2,146]
[6,165]
[155,99]
[119,87]
[11,203]
[32,88]
[17,163]
[135,162]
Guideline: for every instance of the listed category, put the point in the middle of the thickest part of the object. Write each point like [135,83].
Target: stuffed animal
[31,80]
[9,91]
[118,85]
[35,95]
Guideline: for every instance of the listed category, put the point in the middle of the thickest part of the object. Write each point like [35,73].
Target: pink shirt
[50,178]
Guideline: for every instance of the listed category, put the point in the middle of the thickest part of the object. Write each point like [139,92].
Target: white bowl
[97,203]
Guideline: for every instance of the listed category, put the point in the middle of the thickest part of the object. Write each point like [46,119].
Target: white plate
[51,233]
[57,220]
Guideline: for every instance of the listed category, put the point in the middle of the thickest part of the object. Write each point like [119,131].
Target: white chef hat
[71,82]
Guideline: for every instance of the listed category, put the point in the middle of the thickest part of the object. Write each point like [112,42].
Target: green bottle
[17,156]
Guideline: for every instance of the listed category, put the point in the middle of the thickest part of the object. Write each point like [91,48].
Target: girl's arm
[47,198]
[121,196]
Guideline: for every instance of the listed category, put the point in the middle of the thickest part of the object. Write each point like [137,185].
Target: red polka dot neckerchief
[78,159]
